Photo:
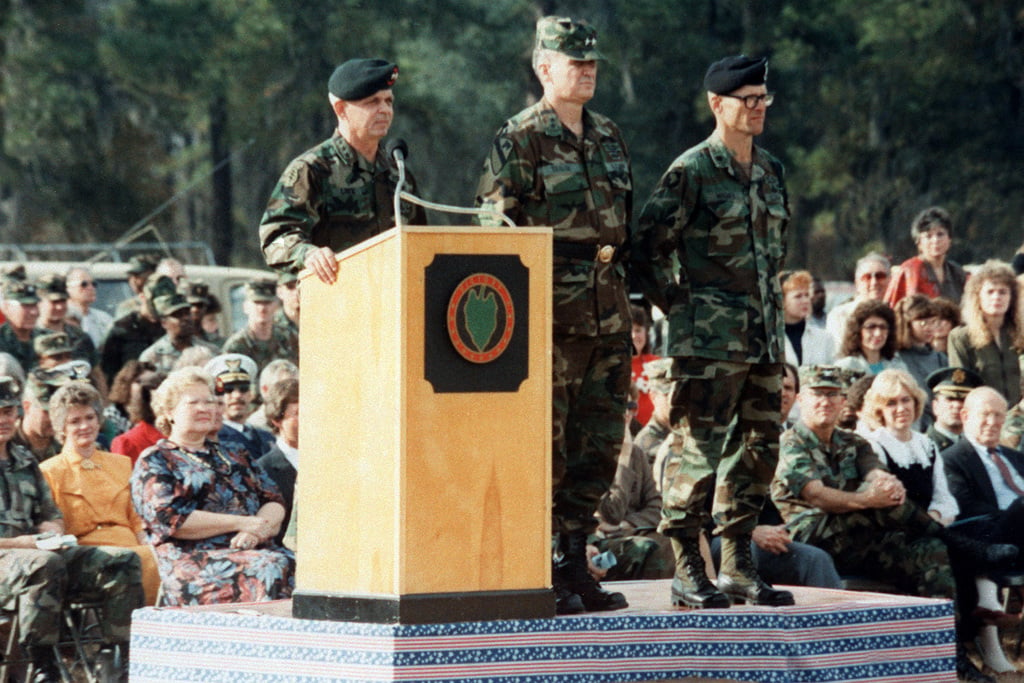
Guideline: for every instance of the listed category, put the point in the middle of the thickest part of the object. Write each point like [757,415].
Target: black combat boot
[691,586]
[739,580]
[571,574]
[44,664]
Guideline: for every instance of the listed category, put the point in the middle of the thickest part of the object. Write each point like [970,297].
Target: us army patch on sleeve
[290,176]
[500,152]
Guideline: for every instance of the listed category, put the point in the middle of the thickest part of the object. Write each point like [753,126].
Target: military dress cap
[20,291]
[574,39]
[52,287]
[231,367]
[659,375]
[51,344]
[10,392]
[141,264]
[953,381]
[822,377]
[197,292]
[732,73]
[74,369]
[360,78]
[261,290]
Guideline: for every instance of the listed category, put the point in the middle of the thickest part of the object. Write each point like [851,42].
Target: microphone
[398,149]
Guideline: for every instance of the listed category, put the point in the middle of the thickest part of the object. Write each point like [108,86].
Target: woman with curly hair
[992,338]
[869,345]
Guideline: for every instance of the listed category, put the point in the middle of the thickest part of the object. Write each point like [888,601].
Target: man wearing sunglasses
[721,212]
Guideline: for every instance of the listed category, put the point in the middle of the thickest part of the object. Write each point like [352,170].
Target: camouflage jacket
[282,344]
[285,323]
[25,498]
[331,196]
[842,464]
[729,239]
[1013,428]
[23,352]
[540,174]
[163,354]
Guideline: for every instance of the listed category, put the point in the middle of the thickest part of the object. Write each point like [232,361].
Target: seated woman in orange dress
[90,486]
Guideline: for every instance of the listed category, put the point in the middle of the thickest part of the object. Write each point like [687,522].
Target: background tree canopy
[110,109]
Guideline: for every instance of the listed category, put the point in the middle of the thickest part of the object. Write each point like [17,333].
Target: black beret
[360,78]
[732,73]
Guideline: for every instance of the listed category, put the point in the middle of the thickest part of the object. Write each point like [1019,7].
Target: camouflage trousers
[37,583]
[894,544]
[591,381]
[726,422]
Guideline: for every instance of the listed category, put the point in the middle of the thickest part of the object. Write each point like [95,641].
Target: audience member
[949,387]
[277,370]
[52,349]
[261,339]
[134,332]
[930,272]
[81,302]
[195,356]
[143,432]
[287,316]
[20,306]
[806,344]
[116,410]
[204,505]
[658,427]
[172,268]
[179,334]
[915,329]
[818,318]
[140,267]
[10,367]
[233,375]
[641,356]
[281,462]
[870,342]
[210,325]
[90,486]
[197,294]
[992,337]
[38,572]
[35,431]
[1012,434]
[851,412]
[53,309]
[870,279]
[948,317]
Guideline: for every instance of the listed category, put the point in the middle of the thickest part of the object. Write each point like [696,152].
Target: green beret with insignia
[357,79]
[822,377]
[10,392]
[574,39]
[20,291]
[261,290]
[52,287]
[953,382]
[51,344]
[732,73]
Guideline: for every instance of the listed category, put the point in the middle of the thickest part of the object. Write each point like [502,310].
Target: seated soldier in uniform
[37,572]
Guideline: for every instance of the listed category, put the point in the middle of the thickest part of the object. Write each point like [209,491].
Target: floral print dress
[168,484]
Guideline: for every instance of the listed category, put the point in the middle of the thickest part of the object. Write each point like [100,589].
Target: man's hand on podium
[324,263]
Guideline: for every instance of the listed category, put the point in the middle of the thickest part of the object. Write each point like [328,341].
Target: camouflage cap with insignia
[953,381]
[52,287]
[163,296]
[231,367]
[51,344]
[41,384]
[20,291]
[822,377]
[10,392]
[659,374]
[574,39]
[261,290]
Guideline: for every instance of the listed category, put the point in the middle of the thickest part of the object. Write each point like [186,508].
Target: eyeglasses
[241,387]
[751,101]
[879,275]
[830,394]
[84,284]
[876,327]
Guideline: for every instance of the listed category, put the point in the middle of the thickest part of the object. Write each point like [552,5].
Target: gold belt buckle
[606,253]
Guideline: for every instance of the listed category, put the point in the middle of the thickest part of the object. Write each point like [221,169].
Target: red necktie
[1004,471]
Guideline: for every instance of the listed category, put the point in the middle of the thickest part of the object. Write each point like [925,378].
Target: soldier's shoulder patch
[291,174]
[501,151]
[613,149]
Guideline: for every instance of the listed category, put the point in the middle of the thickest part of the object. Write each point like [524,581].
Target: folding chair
[79,650]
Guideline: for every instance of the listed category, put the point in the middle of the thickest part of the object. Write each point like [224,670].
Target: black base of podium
[425,608]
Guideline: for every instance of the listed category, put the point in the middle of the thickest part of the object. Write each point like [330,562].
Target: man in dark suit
[281,462]
[986,479]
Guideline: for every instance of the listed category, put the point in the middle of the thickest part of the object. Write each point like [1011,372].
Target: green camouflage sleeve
[1013,429]
[506,175]
[657,240]
[292,212]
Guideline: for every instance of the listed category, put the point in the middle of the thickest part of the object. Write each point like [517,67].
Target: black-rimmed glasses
[751,101]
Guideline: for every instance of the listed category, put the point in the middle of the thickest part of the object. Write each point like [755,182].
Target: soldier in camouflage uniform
[35,582]
[720,211]
[35,431]
[21,308]
[559,164]
[135,331]
[140,267]
[260,339]
[175,315]
[341,191]
[287,317]
[53,309]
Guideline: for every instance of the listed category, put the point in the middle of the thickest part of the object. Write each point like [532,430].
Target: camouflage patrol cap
[261,290]
[574,39]
[953,381]
[142,264]
[822,377]
[52,287]
[359,78]
[20,291]
[169,304]
[231,367]
[197,292]
[659,375]
[52,344]
[732,73]
[41,384]
[10,392]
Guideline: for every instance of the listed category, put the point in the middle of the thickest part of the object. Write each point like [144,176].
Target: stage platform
[827,636]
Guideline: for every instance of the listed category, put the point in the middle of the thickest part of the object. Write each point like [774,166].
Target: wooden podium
[424,492]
